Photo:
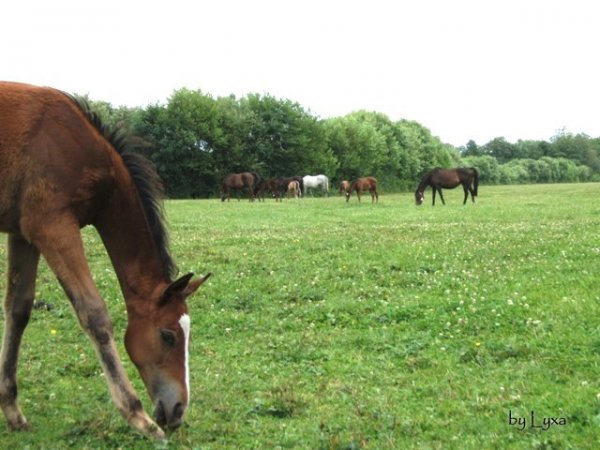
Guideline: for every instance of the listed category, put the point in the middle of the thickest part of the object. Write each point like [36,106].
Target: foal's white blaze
[184,322]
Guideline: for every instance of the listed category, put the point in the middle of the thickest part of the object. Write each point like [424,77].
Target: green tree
[487,166]
[284,139]
[500,149]
[471,149]
[182,134]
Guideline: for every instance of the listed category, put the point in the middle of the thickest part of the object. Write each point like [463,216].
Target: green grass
[329,325]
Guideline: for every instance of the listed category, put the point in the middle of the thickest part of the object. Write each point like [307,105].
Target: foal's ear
[193,285]
[183,286]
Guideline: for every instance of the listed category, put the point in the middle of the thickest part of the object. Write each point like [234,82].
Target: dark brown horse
[239,181]
[363,185]
[62,169]
[264,186]
[448,179]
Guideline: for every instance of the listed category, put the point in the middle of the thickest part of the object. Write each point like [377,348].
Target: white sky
[465,69]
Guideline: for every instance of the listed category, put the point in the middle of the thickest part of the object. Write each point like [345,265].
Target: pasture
[334,325]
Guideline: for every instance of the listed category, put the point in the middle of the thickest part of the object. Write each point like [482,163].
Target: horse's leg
[376,195]
[466,189]
[441,196]
[433,192]
[22,268]
[59,240]
[358,194]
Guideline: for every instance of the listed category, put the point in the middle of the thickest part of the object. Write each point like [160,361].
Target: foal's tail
[475,180]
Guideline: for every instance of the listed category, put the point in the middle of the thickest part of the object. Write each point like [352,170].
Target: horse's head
[348,193]
[157,340]
[419,197]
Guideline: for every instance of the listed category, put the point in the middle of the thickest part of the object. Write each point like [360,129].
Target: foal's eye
[168,337]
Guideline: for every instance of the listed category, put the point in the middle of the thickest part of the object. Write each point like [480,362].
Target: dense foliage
[196,139]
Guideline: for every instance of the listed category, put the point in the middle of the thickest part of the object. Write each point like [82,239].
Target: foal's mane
[148,184]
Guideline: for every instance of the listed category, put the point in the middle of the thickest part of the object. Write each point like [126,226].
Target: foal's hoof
[18,424]
[147,426]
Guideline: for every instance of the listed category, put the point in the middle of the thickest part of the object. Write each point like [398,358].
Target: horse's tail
[475,179]
[257,179]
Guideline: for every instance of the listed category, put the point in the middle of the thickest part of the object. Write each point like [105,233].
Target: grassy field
[329,325]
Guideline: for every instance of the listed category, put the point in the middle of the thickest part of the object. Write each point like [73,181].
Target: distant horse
[448,179]
[280,186]
[315,181]
[294,189]
[344,186]
[363,185]
[62,169]
[263,186]
[239,181]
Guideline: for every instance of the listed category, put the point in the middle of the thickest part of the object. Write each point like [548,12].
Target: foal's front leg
[60,242]
[22,268]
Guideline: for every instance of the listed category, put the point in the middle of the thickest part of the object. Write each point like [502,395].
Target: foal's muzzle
[170,418]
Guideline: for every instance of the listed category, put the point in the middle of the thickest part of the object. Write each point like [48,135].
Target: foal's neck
[125,232]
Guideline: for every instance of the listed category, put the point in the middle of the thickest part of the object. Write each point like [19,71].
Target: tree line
[195,139]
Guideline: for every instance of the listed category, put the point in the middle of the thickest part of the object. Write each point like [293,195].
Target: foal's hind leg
[466,189]
[22,268]
[59,240]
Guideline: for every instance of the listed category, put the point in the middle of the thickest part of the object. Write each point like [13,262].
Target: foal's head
[348,192]
[157,340]
[419,197]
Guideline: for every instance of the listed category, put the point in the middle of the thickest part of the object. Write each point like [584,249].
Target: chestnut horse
[239,181]
[344,186]
[62,169]
[439,178]
[363,185]
[294,189]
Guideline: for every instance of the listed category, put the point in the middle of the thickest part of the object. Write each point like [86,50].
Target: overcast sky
[465,69]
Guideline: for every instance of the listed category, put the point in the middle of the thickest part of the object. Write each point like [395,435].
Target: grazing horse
[62,169]
[294,189]
[280,186]
[448,179]
[239,181]
[363,185]
[315,181]
[344,186]
[263,186]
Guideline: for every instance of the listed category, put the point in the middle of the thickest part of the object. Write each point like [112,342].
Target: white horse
[314,181]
